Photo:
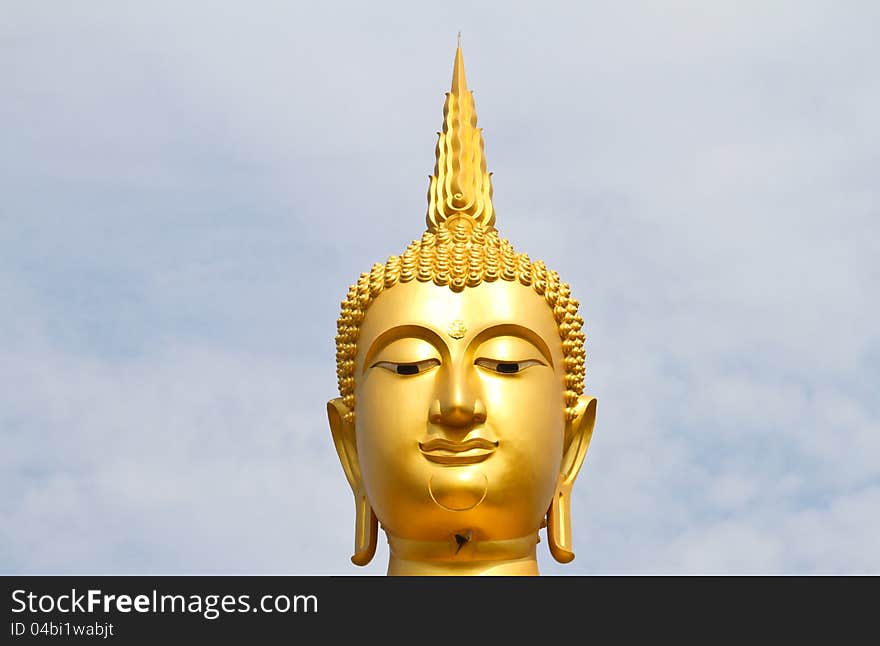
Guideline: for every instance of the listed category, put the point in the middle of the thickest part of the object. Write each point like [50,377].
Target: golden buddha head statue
[461,423]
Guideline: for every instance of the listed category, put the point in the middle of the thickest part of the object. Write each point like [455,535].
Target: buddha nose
[457,403]
[458,413]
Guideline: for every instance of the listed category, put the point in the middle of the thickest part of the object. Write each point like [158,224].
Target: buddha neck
[510,557]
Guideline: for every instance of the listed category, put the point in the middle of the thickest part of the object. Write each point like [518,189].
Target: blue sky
[188,191]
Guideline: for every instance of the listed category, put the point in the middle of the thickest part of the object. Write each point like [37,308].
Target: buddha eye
[413,368]
[507,367]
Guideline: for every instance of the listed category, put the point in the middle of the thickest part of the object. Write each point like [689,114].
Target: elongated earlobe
[578,434]
[366,530]
[559,526]
[366,525]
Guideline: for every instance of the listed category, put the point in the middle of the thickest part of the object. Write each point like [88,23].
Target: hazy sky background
[188,189]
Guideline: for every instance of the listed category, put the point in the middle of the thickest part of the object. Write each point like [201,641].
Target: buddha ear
[345,441]
[578,433]
[366,526]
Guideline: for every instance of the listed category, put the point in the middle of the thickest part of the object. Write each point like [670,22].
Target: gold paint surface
[461,441]
[460,185]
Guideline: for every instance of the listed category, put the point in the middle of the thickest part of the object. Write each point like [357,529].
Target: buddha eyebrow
[403,332]
[512,329]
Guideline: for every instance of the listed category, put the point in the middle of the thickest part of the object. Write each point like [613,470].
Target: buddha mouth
[443,451]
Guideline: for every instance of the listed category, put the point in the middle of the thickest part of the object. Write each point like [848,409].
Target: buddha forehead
[457,317]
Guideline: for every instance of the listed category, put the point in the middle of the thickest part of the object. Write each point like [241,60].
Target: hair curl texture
[461,253]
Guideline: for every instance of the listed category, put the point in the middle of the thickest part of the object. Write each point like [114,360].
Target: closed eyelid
[407,367]
[507,366]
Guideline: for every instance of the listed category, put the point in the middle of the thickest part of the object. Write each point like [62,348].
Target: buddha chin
[461,423]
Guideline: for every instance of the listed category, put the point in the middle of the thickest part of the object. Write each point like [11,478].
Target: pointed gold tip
[459,82]
[460,185]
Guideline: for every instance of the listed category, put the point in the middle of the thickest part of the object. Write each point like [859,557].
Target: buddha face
[460,423]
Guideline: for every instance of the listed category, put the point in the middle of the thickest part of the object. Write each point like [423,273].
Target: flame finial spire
[460,185]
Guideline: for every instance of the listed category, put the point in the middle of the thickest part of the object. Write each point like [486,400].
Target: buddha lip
[442,444]
[443,451]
